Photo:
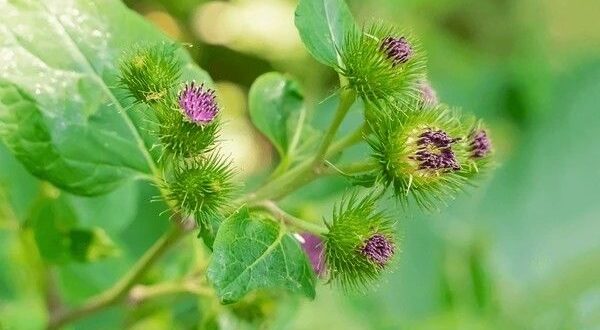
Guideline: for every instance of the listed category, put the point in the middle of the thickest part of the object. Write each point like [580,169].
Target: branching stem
[350,169]
[291,220]
[347,98]
[280,186]
[310,169]
[142,293]
[120,290]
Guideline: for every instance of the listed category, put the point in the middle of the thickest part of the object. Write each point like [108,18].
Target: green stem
[303,173]
[142,293]
[289,219]
[347,141]
[281,167]
[277,188]
[350,169]
[118,291]
[53,299]
[346,100]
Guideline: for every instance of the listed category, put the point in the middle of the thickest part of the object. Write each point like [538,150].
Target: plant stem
[142,293]
[346,141]
[346,100]
[287,218]
[116,293]
[281,168]
[53,299]
[350,169]
[308,170]
[280,186]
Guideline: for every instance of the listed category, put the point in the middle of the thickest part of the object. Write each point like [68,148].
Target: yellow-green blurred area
[521,251]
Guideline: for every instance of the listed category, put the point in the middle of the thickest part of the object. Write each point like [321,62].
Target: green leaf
[323,25]
[61,113]
[51,221]
[277,110]
[58,234]
[252,252]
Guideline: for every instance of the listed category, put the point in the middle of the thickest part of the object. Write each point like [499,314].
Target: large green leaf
[323,25]
[61,113]
[277,110]
[251,252]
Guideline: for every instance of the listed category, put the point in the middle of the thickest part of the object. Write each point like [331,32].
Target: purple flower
[428,94]
[397,49]
[378,249]
[480,144]
[434,151]
[198,103]
[313,246]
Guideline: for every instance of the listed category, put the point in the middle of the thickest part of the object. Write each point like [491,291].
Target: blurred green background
[522,251]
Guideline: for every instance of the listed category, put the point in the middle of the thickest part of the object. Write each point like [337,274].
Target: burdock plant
[422,151]
[417,151]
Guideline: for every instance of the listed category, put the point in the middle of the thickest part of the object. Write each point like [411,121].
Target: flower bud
[188,124]
[383,65]
[421,155]
[479,149]
[359,244]
[200,187]
[149,72]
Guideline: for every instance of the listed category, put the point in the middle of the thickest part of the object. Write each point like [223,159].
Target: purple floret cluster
[435,151]
[198,103]
[398,50]
[378,249]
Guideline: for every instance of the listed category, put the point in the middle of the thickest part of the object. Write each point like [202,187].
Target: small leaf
[61,113]
[323,25]
[88,245]
[58,232]
[252,252]
[51,220]
[277,110]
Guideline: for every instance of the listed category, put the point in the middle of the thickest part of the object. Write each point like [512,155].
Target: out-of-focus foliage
[521,252]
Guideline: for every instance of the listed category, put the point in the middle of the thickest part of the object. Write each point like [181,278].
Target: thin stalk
[281,167]
[142,293]
[346,100]
[54,303]
[289,219]
[277,188]
[302,174]
[120,290]
[350,169]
